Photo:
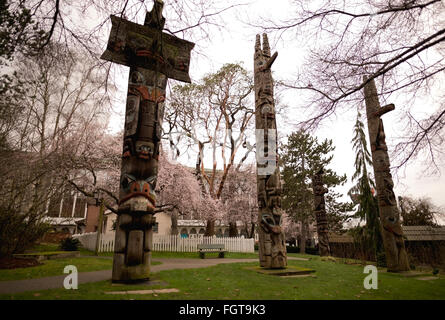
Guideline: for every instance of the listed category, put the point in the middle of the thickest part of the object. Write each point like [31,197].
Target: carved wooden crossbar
[135,45]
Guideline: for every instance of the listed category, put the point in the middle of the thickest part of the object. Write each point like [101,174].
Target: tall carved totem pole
[392,233]
[272,247]
[153,57]
[320,213]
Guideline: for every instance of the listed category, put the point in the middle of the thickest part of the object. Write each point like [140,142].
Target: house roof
[411,233]
[63,221]
[202,223]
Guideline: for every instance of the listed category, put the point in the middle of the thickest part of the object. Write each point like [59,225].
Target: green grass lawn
[332,280]
[55,268]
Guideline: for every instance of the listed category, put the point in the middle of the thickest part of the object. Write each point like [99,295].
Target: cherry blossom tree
[215,113]
[178,190]
[240,200]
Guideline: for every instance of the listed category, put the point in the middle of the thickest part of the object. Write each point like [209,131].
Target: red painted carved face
[133,187]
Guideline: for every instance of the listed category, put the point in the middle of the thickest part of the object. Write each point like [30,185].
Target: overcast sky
[236,44]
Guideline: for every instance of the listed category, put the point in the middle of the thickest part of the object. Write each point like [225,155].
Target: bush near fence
[172,243]
[54,237]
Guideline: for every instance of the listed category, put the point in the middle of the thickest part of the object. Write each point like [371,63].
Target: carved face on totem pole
[272,246]
[269,188]
[392,232]
[142,135]
[319,190]
[153,57]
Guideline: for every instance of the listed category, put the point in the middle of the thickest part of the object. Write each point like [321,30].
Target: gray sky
[236,44]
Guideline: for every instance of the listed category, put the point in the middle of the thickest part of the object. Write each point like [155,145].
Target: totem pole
[153,57]
[320,213]
[392,233]
[272,247]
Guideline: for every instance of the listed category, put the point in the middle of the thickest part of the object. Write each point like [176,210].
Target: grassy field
[332,280]
[55,268]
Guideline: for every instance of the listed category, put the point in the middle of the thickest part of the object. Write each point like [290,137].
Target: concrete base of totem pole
[288,271]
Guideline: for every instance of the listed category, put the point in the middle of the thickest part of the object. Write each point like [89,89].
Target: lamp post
[99,201]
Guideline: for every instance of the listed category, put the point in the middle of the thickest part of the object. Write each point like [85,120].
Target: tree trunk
[210,228]
[320,213]
[174,217]
[303,236]
[392,233]
[233,231]
[272,248]
[252,231]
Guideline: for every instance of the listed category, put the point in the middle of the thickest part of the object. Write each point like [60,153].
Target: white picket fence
[171,243]
[178,244]
[88,240]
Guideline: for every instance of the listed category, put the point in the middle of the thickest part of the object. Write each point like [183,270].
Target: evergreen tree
[362,193]
[301,157]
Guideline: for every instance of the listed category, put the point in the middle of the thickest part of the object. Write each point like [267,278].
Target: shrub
[19,231]
[70,244]
[312,250]
[381,259]
[292,249]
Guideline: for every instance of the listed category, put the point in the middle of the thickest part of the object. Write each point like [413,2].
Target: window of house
[156,227]
[184,233]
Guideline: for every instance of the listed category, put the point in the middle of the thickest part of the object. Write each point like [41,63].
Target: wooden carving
[135,45]
[320,213]
[153,57]
[392,234]
[272,248]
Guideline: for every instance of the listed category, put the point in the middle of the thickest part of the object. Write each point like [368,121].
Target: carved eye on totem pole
[271,222]
[391,222]
[268,219]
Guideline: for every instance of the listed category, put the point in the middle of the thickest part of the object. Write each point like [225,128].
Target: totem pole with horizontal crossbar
[392,233]
[271,247]
[153,57]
